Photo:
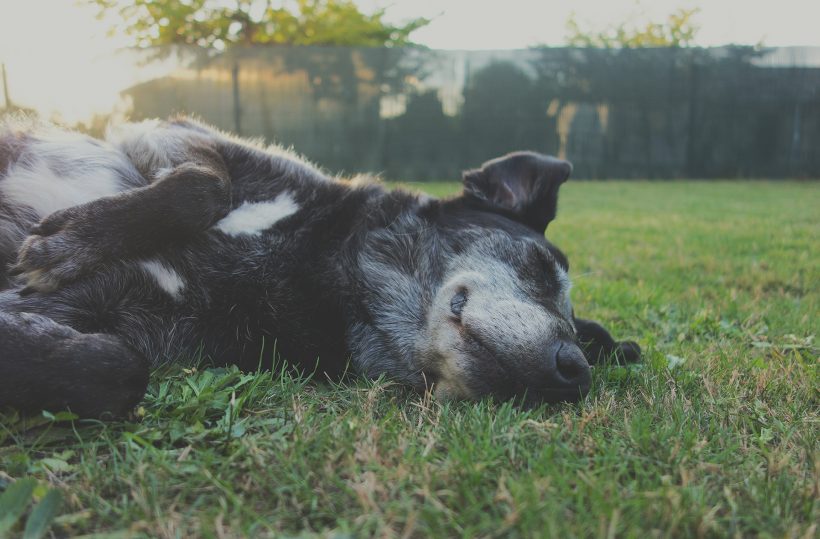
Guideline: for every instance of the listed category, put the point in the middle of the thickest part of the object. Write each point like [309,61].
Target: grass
[715,434]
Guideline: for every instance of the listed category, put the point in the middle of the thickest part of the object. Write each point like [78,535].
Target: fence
[423,114]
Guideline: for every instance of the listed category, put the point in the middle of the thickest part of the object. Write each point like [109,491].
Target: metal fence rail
[422,114]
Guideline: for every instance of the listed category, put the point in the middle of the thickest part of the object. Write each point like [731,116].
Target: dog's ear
[524,184]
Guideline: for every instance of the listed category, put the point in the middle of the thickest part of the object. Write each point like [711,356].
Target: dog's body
[171,240]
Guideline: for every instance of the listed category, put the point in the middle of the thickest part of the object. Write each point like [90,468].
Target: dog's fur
[170,239]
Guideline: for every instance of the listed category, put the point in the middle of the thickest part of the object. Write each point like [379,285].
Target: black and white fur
[170,239]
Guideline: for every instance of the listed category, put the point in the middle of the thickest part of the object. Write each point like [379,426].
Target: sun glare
[62,64]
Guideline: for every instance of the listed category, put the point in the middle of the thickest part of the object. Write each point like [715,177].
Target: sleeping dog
[170,239]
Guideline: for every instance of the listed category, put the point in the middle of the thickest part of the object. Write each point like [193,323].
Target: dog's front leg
[599,346]
[79,240]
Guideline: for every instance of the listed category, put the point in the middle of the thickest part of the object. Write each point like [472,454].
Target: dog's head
[470,293]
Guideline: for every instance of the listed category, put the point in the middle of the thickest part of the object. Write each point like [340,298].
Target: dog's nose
[571,366]
[567,374]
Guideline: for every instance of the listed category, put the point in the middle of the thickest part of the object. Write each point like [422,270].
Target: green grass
[715,434]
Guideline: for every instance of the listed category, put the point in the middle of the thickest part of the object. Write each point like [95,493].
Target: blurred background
[421,89]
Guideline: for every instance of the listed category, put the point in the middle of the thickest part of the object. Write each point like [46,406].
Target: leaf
[65,416]
[43,513]
[14,501]
[55,464]
[121,534]
[238,430]
[73,519]
[766,435]
[673,362]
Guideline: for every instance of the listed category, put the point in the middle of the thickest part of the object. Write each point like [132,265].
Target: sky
[58,56]
[511,24]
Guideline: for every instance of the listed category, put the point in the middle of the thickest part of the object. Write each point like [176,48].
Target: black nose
[567,376]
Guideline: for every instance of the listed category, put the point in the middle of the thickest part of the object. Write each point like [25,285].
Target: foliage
[714,435]
[678,30]
[220,24]
[16,498]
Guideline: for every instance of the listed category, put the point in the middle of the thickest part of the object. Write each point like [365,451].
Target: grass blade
[14,501]
[43,513]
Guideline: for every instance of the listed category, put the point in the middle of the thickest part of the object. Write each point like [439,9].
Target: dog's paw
[627,352]
[59,251]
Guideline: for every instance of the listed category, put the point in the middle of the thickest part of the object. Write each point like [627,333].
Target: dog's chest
[258,282]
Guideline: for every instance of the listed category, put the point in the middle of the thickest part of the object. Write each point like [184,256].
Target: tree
[678,30]
[219,24]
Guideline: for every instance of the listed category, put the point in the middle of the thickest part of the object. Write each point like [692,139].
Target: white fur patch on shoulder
[62,172]
[253,218]
[138,138]
[152,144]
[166,278]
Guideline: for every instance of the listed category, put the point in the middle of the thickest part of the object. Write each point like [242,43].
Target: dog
[170,239]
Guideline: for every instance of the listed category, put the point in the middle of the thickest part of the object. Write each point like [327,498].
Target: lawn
[715,434]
